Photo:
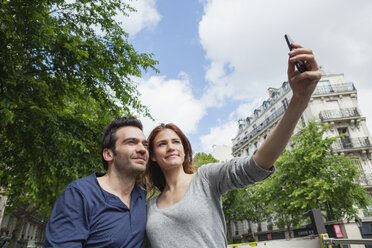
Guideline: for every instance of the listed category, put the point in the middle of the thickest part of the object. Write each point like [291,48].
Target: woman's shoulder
[206,170]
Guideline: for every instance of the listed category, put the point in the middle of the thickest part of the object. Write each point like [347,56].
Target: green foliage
[201,158]
[308,176]
[234,205]
[61,83]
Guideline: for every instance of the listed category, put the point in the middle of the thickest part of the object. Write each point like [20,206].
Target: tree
[66,70]
[201,158]
[309,176]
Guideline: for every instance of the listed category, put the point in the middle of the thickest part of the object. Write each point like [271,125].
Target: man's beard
[125,164]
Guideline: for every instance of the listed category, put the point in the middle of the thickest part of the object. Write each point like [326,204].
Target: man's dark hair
[109,136]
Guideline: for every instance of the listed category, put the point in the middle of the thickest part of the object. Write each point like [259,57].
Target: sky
[217,58]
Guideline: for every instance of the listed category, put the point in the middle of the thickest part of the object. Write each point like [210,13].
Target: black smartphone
[300,65]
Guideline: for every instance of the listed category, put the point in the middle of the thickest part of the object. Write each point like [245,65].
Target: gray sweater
[197,220]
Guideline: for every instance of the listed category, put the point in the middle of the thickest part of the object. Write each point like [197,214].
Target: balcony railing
[348,143]
[334,88]
[365,179]
[338,113]
[275,115]
[277,95]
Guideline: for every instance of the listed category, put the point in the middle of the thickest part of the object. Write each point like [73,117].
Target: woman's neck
[175,178]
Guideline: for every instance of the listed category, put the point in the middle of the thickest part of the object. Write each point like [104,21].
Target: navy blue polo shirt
[85,215]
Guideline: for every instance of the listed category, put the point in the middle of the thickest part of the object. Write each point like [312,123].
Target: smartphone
[300,65]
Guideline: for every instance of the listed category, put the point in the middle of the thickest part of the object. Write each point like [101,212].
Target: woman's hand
[303,84]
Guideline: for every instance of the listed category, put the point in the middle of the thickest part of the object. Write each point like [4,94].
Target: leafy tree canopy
[66,70]
[309,176]
[201,158]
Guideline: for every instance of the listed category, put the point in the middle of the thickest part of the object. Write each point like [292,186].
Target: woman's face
[168,150]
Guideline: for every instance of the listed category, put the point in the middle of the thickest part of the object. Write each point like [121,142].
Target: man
[106,210]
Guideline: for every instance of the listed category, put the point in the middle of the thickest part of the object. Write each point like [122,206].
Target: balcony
[333,114]
[365,179]
[259,128]
[346,143]
[334,88]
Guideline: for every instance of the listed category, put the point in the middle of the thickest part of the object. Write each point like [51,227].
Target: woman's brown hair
[154,177]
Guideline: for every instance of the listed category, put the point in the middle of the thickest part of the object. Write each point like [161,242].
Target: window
[345,139]
[236,228]
[368,213]
[332,104]
[285,103]
[256,112]
[285,85]
[275,95]
[324,87]
[273,114]
[303,120]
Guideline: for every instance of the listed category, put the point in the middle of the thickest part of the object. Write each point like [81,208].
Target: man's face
[131,150]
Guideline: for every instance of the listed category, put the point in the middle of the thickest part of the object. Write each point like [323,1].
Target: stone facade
[335,102]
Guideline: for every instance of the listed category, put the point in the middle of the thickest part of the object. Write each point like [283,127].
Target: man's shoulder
[140,188]
[85,183]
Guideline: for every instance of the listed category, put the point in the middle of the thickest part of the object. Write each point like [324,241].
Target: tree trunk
[17,231]
[250,232]
[289,231]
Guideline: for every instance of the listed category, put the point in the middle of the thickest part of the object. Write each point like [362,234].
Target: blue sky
[218,57]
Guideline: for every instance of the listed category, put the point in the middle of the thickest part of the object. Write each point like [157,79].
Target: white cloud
[244,43]
[219,135]
[146,17]
[171,100]
[247,109]
[364,100]
[224,132]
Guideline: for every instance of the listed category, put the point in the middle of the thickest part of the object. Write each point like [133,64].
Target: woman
[188,212]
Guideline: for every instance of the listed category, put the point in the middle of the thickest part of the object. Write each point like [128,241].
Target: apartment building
[33,230]
[335,102]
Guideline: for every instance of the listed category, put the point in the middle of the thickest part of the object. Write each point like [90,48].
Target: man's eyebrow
[131,139]
[134,139]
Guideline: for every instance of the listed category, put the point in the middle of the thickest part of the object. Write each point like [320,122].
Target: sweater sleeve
[236,173]
[68,225]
